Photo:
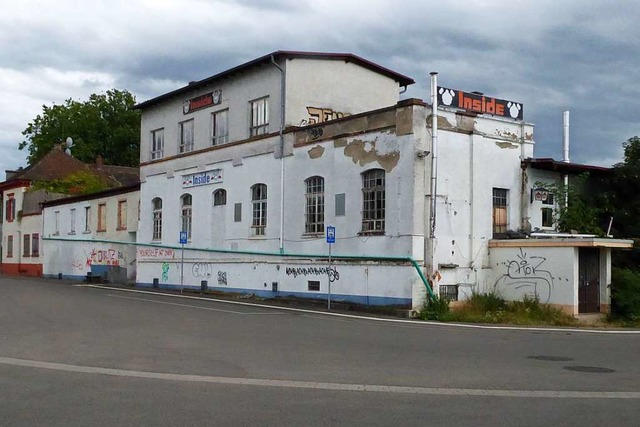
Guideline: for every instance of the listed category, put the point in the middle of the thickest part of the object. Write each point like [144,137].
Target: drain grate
[551,358]
[591,369]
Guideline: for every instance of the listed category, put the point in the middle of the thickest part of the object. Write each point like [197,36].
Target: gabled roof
[282,54]
[57,165]
[550,164]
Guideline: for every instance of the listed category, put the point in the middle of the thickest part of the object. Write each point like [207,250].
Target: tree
[105,125]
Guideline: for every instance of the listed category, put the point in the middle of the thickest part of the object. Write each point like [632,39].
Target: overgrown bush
[625,294]
[436,308]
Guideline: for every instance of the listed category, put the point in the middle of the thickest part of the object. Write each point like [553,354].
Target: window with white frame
[500,211]
[10,208]
[373,201]
[259,211]
[122,214]
[56,223]
[72,221]
[186,136]
[314,210]
[220,127]
[157,218]
[185,214]
[157,144]
[87,219]
[259,116]
[220,197]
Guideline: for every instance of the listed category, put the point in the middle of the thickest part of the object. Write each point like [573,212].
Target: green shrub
[625,294]
[436,308]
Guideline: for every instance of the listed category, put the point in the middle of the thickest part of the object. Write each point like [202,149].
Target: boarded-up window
[35,244]
[9,246]
[237,212]
[102,217]
[122,214]
[340,204]
[26,247]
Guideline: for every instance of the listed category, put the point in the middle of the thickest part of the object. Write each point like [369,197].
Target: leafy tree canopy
[105,125]
[81,182]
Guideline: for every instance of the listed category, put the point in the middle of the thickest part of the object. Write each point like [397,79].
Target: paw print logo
[514,109]
[446,95]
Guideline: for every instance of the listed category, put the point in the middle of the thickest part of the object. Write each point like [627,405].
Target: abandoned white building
[254,163]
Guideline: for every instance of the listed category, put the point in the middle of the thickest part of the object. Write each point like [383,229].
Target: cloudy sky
[551,55]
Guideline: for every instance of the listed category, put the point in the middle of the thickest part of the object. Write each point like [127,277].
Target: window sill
[371,233]
[313,235]
[101,231]
[121,228]
[71,233]
[86,232]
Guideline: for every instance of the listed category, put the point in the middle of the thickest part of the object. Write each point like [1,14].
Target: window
[449,292]
[547,217]
[185,214]
[87,219]
[10,208]
[500,214]
[157,218]
[157,144]
[102,217]
[340,204]
[219,197]
[373,201]
[72,220]
[122,214]
[9,246]
[259,202]
[56,221]
[259,117]
[35,245]
[26,247]
[220,127]
[313,285]
[314,212]
[186,136]
[237,212]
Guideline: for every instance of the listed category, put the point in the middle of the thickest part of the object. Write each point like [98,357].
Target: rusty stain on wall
[365,152]
[316,152]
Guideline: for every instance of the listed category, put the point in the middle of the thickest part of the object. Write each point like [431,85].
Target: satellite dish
[69,143]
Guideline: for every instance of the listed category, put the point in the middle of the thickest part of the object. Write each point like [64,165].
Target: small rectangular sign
[331,234]
[478,103]
[202,178]
[183,237]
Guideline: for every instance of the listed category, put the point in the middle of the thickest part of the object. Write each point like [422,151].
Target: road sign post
[183,241]
[331,239]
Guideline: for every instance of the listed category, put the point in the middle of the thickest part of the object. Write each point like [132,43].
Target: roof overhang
[550,164]
[554,242]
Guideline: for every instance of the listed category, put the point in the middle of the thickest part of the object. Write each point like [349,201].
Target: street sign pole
[183,240]
[331,239]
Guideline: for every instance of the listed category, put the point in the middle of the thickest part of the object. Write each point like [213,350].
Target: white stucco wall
[73,254]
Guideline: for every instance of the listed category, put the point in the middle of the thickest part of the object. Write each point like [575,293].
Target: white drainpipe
[282,97]
[565,153]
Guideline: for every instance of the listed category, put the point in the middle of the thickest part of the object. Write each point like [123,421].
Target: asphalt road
[75,355]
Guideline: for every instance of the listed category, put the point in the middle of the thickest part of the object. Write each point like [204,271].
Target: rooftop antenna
[69,144]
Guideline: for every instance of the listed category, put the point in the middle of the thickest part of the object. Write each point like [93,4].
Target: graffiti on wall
[202,270]
[320,115]
[156,253]
[313,271]
[165,271]
[104,257]
[222,278]
[525,273]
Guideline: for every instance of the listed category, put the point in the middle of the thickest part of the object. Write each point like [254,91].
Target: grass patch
[491,308]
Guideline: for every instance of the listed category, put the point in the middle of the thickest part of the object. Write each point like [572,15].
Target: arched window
[259,202]
[185,214]
[314,210]
[219,197]
[157,218]
[373,200]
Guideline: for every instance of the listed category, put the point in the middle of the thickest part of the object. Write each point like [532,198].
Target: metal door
[589,280]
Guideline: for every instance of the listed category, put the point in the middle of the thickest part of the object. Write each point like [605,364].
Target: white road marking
[379,319]
[260,382]
[193,306]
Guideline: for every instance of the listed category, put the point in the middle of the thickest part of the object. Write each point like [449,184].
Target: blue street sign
[183,237]
[331,234]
